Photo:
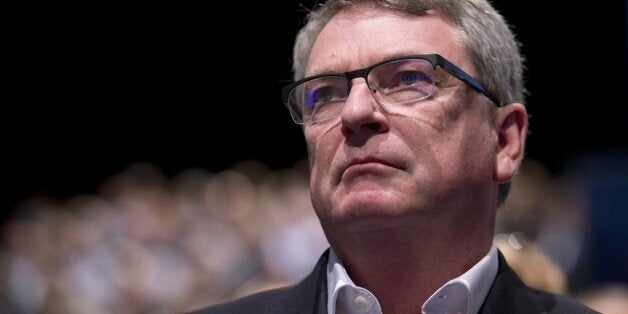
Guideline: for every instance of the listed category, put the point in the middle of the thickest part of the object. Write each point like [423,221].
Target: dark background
[94,89]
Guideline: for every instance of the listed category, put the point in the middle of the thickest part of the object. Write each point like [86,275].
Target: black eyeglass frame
[434,59]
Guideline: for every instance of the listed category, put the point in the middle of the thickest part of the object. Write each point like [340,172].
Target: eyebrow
[331,70]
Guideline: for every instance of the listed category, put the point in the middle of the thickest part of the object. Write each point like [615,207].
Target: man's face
[376,169]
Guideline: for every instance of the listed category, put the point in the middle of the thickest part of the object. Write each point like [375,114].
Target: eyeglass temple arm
[466,78]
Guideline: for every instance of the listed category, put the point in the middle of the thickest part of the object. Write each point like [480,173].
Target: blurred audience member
[532,265]
[608,298]
[146,243]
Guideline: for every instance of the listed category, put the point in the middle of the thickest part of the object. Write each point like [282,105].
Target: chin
[367,210]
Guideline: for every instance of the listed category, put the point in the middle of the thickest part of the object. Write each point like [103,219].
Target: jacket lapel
[509,294]
[310,295]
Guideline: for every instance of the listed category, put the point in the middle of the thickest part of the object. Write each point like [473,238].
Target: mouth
[368,160]
[365,165]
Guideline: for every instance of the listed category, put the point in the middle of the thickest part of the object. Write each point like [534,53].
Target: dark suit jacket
[507,295]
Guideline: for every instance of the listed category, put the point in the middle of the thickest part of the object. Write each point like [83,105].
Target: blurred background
[150,166]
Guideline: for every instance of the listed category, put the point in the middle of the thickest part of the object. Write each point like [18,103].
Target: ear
[511,123]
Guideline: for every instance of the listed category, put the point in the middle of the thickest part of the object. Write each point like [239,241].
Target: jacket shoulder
[560,304]
[509,294]
[308,296]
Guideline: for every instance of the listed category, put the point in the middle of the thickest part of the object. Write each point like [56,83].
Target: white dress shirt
[464,294]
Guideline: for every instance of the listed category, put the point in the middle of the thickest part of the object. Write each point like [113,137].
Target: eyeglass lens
[394,83]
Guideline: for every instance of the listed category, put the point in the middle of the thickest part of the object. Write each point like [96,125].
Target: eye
[323,94]
[322,97]
[409,78]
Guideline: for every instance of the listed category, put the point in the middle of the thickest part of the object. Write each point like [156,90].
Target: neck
[404,266]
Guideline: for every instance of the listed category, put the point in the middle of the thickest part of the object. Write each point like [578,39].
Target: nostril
[346,131]
[373,126]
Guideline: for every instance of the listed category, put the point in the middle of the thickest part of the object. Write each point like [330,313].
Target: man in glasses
[414,121]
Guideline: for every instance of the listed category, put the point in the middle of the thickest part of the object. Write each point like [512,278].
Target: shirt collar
[467,291]
[464,294]
[343,295]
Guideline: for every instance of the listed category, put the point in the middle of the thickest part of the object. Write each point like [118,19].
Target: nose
[361,114]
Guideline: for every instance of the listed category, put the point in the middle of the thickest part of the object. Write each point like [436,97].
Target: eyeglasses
[396,82]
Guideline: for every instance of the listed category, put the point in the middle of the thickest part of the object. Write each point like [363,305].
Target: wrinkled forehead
[364,34]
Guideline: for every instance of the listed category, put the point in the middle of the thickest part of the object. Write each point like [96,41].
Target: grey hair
[481,30]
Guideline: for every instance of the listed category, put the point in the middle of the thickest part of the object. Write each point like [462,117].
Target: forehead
[365,34]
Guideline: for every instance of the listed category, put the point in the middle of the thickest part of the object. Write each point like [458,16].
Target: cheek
[321,148]
[320,155]
[446,146]
[474,152]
